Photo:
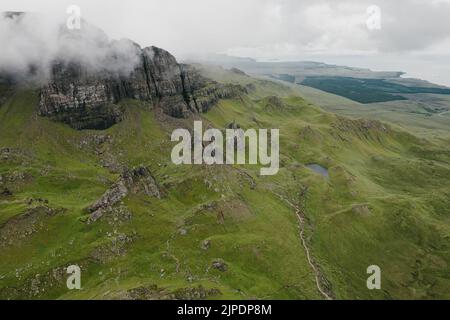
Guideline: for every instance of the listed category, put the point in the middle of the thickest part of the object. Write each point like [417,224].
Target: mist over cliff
[35,42]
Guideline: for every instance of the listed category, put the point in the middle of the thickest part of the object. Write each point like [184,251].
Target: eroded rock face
[134,181]
[80,99]
[140,180]
[89,100]
[112,196]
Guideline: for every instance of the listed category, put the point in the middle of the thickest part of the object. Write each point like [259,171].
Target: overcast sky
[414,35]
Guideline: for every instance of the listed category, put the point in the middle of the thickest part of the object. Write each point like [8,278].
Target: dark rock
[273,103]
[198,293]
[250,87]
[233,125]
[152,292]
[206,244]
[135,181]
[89,100]
[140,180]
[37,200]
[6,192]
[116,193]
[220,265]
[238,71]
[117,247]
[5,153]
[13,14]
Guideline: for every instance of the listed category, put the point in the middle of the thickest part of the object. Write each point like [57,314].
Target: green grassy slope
[421,114]
[386,203]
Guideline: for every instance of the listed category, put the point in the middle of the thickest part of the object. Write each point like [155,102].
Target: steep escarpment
[83,75]
[88,100]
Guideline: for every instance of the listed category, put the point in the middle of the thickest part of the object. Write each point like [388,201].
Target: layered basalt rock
[83,77]
[90,100]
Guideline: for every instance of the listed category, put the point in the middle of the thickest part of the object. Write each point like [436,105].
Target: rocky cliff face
[89,100]
[83,75]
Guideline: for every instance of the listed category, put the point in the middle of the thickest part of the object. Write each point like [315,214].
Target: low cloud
[262,29]
[299,28]
[34,42]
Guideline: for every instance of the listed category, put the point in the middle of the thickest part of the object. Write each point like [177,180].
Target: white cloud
[32,42]
[266,29]
[220,25]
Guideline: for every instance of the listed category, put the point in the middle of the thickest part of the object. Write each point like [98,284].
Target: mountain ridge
[83,90]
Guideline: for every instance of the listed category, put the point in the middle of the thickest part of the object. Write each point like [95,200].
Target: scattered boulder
[194,293]
[37,201]
[114,216]
[117,247]
[153,292]
[20,227]
[36,286]
[361,209]
[220,265]
[6,192]
[206,244]
[5,153]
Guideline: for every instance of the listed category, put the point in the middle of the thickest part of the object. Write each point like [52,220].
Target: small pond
[318,169]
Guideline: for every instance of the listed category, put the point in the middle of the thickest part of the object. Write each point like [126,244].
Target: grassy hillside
[413,104]
[223,231]
[424,115]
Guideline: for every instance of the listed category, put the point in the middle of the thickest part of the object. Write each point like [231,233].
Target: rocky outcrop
[112,196]
[135,181]
[273,103]
[84,76]
[140,181]
[348,129]
[153,292]
[220,265]
[117,246]
[206,244]
[16,230]
[5,192]
[89,100]
[79,100]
